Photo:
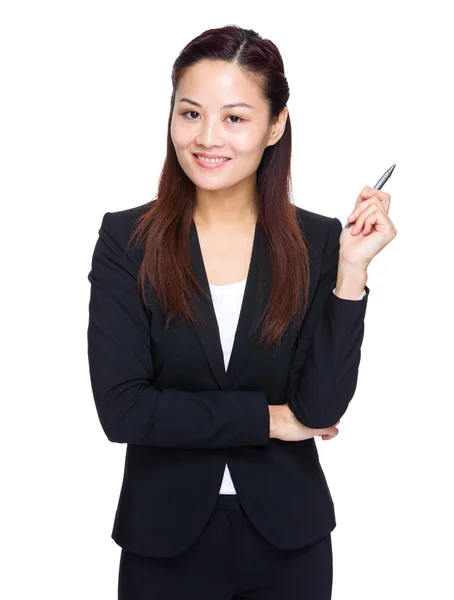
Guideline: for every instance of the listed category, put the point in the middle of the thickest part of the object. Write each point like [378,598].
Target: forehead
[216,82]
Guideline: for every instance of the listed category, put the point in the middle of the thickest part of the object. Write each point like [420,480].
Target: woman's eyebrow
[232,105]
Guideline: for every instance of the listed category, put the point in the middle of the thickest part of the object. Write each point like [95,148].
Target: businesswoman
[225,327]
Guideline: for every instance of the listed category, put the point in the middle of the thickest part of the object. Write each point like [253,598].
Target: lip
[208,165]
[206,155]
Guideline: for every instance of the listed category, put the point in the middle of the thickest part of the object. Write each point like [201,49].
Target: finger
[359,209]
[330,436]
[368,210]
[367,192]
[369,222]
[378,222]
[330,431]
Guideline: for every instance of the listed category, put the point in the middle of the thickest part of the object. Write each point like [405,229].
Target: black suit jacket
[168,396]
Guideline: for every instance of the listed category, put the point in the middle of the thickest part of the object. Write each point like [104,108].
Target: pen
[378,186]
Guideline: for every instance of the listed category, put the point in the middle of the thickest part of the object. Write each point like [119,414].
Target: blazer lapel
[253,305]
[254,301]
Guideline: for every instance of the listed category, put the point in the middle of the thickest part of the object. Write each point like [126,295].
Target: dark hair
[165,226]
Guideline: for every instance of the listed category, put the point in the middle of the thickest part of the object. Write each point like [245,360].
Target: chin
[206,186]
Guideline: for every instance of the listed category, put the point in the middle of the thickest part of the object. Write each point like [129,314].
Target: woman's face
[239,133]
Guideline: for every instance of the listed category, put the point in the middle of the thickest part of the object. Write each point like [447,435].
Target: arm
[130,409]
[325,369]
[359,297]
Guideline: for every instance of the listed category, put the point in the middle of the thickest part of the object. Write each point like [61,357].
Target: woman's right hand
[285,426]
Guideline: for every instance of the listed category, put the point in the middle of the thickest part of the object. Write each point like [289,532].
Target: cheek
[247,144]
[249,152]
[175,135]
[180,135]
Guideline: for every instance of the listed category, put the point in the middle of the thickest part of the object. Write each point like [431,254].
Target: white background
[85,96]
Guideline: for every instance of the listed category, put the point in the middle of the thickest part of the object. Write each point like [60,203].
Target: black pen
[378,186]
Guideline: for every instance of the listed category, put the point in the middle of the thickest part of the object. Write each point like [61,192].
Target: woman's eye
[190,111]
[195,112]
[236,117]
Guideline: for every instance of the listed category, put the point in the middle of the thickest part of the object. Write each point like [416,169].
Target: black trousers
[230,560]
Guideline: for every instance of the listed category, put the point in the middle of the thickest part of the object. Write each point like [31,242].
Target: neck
[226,208]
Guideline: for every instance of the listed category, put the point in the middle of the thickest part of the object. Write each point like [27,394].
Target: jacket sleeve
[324,371]
[132,410]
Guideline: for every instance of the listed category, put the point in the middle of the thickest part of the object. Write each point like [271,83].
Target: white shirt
[227,301]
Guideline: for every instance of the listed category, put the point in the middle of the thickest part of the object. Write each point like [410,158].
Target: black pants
[230,560]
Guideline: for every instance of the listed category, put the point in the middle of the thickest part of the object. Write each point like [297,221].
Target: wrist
[350,281]
[274,422]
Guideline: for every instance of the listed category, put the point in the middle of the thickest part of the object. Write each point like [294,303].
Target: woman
[223,495]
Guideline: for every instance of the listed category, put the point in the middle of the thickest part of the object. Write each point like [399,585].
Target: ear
[278,128]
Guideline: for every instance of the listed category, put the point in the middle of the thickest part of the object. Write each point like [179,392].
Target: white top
[227,300]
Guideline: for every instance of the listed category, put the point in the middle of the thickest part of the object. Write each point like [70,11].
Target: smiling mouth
[214,160]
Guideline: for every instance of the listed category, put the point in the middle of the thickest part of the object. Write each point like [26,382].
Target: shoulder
[119,225]
[115,237]
[318,227]
[124,220]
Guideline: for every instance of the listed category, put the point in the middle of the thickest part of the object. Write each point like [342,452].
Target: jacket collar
[252,306]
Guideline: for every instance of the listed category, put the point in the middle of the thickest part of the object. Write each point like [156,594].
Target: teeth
[211,160]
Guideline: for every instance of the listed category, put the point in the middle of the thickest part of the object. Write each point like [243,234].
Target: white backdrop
[84,106]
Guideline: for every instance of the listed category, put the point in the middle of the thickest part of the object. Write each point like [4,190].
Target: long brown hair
[165,226]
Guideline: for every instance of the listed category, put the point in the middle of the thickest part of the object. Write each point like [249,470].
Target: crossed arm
[132,410]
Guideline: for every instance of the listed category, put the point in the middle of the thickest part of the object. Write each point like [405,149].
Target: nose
[209,134]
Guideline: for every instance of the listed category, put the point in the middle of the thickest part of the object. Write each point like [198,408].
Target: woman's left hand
[372,231]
